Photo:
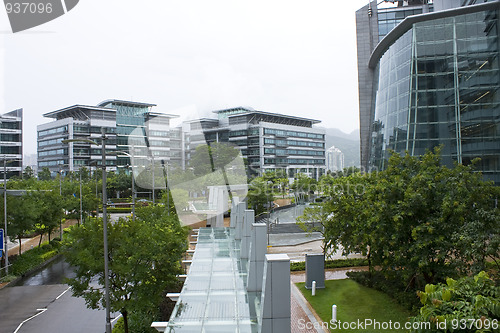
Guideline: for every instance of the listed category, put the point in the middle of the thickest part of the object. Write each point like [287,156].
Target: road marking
[116,319]
[64,292]
[21,324]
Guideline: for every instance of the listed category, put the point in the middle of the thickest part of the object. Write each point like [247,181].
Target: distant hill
[348,143]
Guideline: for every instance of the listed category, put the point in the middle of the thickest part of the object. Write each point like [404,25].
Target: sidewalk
[29,243]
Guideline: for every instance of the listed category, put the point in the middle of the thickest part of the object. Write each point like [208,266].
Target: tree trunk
[125,321]
[40,241]
[20,252]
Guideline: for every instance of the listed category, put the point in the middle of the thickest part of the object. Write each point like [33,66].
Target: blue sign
[1,242]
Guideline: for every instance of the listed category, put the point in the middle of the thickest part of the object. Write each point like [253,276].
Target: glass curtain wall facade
[437,84]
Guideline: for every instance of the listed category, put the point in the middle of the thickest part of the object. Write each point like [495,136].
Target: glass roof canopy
[214,296]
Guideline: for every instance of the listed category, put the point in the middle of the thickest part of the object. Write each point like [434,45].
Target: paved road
[41,303]
[34,309]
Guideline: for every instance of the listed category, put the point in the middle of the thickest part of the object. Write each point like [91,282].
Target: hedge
[337,263]
[33,258]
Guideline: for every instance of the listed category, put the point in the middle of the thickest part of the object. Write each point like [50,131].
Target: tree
[303,186]
[120,182]
[50,212]
[260,195]
[415,217]
[144,260]
[44,174]
[318,217]
[21,216]
[216,156]
[28,173]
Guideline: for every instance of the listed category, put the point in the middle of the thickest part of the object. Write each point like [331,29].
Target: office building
[269,141]
[428,79]
[11,143]
[130,127]
[334,159]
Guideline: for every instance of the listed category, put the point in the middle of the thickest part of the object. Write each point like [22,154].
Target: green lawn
[356,302]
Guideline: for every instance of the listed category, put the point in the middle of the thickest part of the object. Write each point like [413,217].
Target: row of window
[10,137]
[53,152]
[294,134]
[50,163]
[294,143]
[159,133]
[49,142]
[10,125]
[92,129]
[62,129]
[80,163]
[294,152]
[11,150]
[249,132]
[269,161]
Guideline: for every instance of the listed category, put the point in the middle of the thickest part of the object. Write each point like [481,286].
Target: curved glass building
[436,79]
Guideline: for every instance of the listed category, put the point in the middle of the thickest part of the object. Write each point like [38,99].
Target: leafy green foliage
[464,305]
[303,186]
[416,216]
[21,216]
[208,158]
[50,211]
[44,174]
[28,173]
[260,195]
[337,263]
[33,258]
[144,259]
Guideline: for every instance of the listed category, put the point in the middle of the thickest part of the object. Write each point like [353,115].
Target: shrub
[466,305]
[337,263]
[33,258]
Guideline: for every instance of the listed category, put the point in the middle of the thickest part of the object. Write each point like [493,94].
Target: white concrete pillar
[234,208]
[242,206]
[258,250]
[275,300]
[248,220]
[222,204]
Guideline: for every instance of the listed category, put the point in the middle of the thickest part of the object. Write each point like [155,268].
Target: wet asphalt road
[55,273]
[42,303]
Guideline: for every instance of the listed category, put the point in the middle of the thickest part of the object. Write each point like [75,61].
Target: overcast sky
[189,57]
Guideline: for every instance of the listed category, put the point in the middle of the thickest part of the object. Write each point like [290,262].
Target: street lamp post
[105,230]
[153,183]
[133,182]
[60,194]
[81,195]
[96,194]
[104,221]
[5,214]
